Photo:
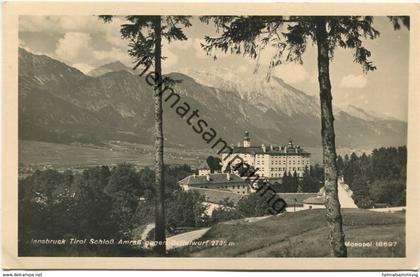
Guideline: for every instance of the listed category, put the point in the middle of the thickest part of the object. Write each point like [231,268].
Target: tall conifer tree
[290,35]
[145,35]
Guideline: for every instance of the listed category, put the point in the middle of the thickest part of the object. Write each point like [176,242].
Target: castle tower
[247,139]
[290,144]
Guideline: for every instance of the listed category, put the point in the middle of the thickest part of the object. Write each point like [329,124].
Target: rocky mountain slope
[109,67]
[59,103]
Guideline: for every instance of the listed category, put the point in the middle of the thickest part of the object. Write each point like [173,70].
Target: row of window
[275,157]
[290,162]
[280,174]
[227,187]
[284,163]
[285,168]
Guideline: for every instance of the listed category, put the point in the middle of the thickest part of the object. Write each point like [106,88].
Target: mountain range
[59,103]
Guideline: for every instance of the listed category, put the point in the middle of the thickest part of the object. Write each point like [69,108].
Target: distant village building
[216,181]
[271,161]
[295,200]
[203,169]
[216,188]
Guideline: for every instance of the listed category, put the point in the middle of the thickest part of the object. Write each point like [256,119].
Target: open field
[304,234]
[37,153]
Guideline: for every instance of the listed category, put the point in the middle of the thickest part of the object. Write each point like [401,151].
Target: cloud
[114,54]
[174,50]
[169,51]
[291,73]
[112,33]
[66,23]
[73,46]
[86,40]
[187,45]
[23,45]
[76,48]
[170,60]
[353,81]
[199,51]
[85,68]
[178,44]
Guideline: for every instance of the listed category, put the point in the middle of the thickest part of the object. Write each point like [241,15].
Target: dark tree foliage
[186,209]
[124,178]
[225,212]
[97,203]
[377,179]
[310,181]
[243,169]
[254,205]
[214,163]
[249,206]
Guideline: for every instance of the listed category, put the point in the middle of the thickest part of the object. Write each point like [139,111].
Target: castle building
[271,161]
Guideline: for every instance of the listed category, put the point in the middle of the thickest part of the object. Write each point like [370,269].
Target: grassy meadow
[304,234]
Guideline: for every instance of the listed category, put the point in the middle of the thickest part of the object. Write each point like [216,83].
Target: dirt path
[185,238]
[149,227]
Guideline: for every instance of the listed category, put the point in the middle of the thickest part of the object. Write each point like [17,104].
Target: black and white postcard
[211,136]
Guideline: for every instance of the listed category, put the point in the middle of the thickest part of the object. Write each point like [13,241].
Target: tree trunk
[334,218]
[160,237]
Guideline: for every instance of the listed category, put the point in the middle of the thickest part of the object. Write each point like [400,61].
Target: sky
[85,43]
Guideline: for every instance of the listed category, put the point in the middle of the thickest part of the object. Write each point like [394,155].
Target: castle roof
[275,150]
[217,196]
[296,199]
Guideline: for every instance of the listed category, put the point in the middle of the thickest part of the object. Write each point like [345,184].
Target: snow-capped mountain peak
[273,94]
